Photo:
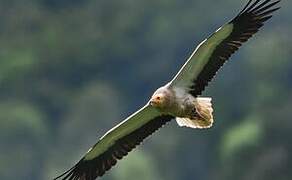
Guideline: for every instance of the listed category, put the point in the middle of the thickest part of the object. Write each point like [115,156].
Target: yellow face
[157,100]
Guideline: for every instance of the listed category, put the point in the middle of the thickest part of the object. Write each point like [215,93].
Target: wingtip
[258,6]
[262,9]
[66,174]
[245,7]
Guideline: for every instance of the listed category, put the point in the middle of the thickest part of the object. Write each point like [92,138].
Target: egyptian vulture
[179,99]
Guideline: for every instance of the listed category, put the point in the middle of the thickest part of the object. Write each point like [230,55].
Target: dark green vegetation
[70,70]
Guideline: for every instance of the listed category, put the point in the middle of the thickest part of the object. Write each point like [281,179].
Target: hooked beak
[153,102]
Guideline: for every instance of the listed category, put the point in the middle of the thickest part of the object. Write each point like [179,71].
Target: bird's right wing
[213,52]
[116,143]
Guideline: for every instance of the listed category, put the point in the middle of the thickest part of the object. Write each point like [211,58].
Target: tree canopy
[70,70]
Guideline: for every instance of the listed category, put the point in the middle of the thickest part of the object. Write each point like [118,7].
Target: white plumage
[179,99]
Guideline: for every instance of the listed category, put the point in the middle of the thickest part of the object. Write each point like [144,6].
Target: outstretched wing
[213,52]
[116,144]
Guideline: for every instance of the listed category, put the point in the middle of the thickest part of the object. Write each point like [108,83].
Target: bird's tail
[202,116]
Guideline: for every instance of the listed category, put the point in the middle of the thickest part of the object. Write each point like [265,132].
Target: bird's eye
[158,98]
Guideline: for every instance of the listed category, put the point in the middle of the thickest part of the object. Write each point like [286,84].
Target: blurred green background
[72,69]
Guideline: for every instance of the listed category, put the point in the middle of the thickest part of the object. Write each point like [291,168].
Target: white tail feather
[203,118]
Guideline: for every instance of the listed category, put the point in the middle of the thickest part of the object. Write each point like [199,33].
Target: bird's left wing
[212,53]
[116,143]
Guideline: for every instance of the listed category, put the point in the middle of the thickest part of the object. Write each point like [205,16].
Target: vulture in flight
[178,99]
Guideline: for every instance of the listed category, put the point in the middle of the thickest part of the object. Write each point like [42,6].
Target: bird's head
[157,99]
[160,99]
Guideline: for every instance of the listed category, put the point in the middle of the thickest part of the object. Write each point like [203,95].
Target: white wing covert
[213,52]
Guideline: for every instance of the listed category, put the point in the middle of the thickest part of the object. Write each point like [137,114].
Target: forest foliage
[70,70]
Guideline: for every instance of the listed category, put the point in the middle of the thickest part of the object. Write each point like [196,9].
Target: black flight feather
[91,169]
[245,25]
